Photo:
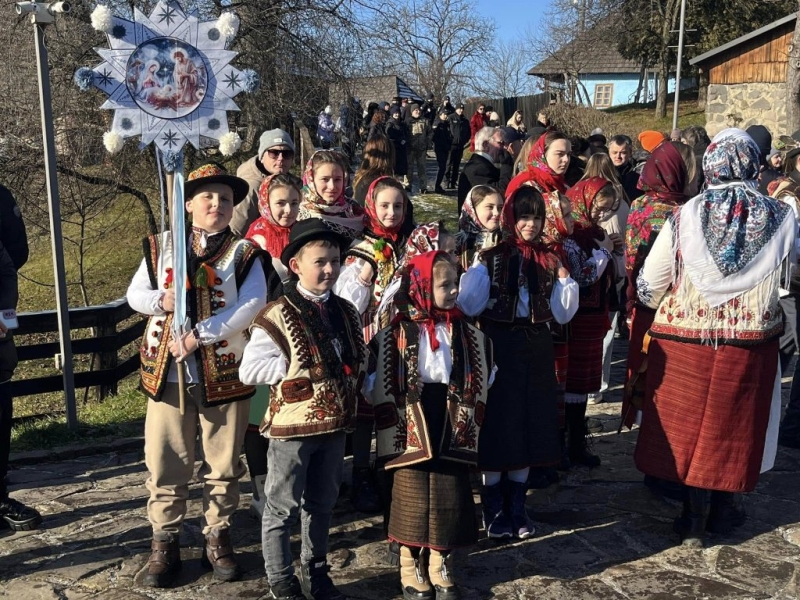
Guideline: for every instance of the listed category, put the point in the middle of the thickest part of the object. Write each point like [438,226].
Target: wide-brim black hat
[309,230]
[212,173]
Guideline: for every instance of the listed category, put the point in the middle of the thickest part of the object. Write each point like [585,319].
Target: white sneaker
[595,398]
[258,500]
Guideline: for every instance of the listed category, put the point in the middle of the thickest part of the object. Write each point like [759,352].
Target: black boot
[363,494]
[726,512]
[577,436]
[522,526]
[691,525]
[495,520]
[18,516]
[316,583]
[565,465]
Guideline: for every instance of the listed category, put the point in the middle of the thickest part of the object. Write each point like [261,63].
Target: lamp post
[43,14]
[678,68]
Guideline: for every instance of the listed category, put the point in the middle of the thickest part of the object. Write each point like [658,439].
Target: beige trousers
[169,451]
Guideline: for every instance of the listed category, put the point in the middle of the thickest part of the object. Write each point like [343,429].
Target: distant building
[746,79]
[371,89]
[608,78]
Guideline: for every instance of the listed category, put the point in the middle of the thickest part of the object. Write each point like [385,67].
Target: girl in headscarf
[370,264]
[712,276]
[479,223]
[547,163]
[324,183]
[278,203]
[664,180]
[588,253]
[430,392]
[517,289]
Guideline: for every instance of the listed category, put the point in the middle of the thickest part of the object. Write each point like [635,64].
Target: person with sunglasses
[478,121]
[276,153]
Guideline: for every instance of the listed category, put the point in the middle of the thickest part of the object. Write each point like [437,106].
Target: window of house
[603,92]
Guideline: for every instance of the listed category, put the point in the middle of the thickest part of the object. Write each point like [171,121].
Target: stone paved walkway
[601,534]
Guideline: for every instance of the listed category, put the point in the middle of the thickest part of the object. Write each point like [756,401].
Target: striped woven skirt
[586,334]
[432,504]
[705,413]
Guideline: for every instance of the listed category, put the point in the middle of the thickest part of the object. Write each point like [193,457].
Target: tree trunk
[663,86]
[640,85]
[702,92]
[793,82]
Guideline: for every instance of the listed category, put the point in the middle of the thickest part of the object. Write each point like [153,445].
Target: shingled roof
[372,89]
[593,51]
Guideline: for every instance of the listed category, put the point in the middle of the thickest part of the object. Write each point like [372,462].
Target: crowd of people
[321,321]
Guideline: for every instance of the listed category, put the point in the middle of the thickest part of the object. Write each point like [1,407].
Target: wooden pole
[176,283]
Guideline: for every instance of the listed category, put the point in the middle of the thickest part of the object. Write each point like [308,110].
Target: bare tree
[439,45]
[504,73]
[793,81]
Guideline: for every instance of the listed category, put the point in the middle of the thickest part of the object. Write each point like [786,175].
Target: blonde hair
[522,156]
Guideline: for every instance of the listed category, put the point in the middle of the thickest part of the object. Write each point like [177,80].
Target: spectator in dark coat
[460,135]
[442,142]
[480,168]
[398,134]
[447,107]
[428,110]
[13,254]
[620,149]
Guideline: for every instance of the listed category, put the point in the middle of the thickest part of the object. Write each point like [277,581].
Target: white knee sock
[491,477]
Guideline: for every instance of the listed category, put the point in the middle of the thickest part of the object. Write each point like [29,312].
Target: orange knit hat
[650,139]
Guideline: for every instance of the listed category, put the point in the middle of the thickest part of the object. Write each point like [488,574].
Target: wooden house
[590,65]
[746,79]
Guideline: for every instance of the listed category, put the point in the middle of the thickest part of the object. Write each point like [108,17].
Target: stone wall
[745,104]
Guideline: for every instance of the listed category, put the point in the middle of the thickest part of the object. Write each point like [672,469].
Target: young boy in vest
[309,347]
[226,288]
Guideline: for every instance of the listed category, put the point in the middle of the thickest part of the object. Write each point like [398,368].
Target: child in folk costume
[517,289]
[370,265]
[309,347]
[429,392]
[278,204]
[324,184]
[479,223]
[226,289]
[587,260]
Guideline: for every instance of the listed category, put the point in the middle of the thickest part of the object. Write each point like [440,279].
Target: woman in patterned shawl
[664,179]
[709,416]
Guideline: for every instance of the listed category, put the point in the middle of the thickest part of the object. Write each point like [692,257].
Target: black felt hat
[309,230]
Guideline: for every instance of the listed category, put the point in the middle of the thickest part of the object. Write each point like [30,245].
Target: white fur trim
[228,24]
[229,143]
[102,18]
[112,141]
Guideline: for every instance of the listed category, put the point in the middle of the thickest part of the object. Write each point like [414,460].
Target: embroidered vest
[402,432]
[384,269]
[503,263]
[307,401]
[217,364]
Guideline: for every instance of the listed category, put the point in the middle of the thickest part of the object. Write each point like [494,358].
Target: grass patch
[634,119]
[115,417]
[436,207]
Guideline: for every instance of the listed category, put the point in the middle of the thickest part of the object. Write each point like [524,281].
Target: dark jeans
[302,483]
[6,413]
[790,342]
[456,152]
[441,162]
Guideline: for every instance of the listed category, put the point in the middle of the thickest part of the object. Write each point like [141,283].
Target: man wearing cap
[275,155]
[226,288]
[447,106]
[460,134]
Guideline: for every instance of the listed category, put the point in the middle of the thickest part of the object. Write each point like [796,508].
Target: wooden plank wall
[762,60]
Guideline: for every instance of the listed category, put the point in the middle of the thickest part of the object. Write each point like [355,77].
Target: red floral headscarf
[414,299]
[538,173]
[554,232]
[371,221]
[534,251]
[582,197]
[276,236]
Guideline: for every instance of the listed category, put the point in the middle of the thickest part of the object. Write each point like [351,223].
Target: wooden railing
[106,345]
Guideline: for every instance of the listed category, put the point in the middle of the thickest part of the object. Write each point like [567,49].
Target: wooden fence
[505,107]
[106,344]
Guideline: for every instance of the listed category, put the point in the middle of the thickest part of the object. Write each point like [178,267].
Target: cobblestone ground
[601,534]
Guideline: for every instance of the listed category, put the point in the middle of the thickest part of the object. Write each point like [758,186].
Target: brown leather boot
[413,576]
[441,576]
[165,561]
[220,557]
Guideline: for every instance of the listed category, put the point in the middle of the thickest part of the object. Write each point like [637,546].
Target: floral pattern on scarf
[414,300]
[471,232]
[344,215]
[276,237]
[536,251]
[371,222]
[581,197]
[663,181]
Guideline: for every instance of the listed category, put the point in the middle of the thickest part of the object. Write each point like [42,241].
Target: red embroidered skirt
[586,333]
[705,413]
[641,319]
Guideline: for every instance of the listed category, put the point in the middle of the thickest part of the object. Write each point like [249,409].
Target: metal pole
[62,302]
[678,68]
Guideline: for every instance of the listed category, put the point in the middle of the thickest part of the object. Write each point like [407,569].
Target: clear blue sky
[512,16]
